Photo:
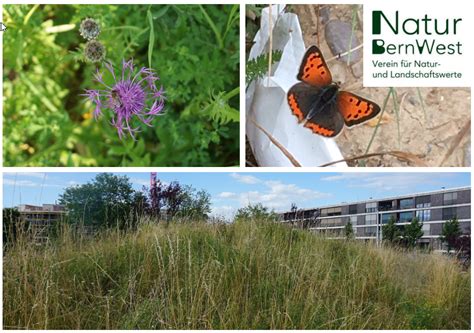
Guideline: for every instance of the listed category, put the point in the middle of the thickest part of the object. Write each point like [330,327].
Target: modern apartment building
[367,217]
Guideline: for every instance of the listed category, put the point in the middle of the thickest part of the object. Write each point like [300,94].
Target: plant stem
[213,27]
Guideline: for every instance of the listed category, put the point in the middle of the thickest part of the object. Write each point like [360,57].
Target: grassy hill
[245,275]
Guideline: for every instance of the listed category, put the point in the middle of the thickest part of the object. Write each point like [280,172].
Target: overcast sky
[231,190]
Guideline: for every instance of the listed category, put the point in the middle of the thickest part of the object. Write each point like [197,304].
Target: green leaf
[258,67]
[161,12]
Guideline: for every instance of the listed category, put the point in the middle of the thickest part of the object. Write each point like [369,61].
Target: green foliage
[237,276]
[219,109]
[349,231]
[104,202]
[110,201]
[176,201]
[194,49]
[196,204]
[11,220]
[253,13]
[254,9]
[422,315]
[450,233]
[258,67]
[390,231]
[413,232]
[256,212]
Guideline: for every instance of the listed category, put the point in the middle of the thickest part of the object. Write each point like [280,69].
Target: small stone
[324,14]
[413,100]
[338,37]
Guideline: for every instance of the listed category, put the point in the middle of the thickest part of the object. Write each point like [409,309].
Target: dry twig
[285,152]
[409,157]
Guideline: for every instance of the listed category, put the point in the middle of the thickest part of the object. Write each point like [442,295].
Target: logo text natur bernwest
[383,24]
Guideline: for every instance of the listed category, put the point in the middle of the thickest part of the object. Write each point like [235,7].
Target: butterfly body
[319,103]
[323,98]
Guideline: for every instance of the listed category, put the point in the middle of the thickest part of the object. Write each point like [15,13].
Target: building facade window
[370,207]
[449,213]
[353,209]
[370,231]
[450,198]
[426,199]
[423,215]
[331,211]
[334,211]
[385,205]
[371,219]
[423,205]
[406,217]
[426,229]
[353,220]
[386,218]
[332,222]
[407,203]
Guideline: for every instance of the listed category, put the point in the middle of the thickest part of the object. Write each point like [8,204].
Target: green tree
[140,205]
[195,205]
[349,231]
[256,212]
[11,225]
[450,233]
[390,231]
[106,201]
[413,232]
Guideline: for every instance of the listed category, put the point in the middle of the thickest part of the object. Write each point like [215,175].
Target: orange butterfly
[319,103]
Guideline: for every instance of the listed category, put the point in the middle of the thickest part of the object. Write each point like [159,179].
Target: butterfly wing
[355,109]
[300,99]
[313,68]
[327,122]
[305,100]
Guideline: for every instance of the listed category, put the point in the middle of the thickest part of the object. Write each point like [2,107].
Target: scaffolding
[41,220]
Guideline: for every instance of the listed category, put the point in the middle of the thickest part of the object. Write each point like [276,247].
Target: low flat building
[367,217]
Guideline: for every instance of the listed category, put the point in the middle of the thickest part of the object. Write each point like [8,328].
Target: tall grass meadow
[244,275]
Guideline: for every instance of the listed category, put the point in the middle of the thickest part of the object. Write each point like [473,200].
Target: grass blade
[422,104]
[151,42]
[213,27]
[30,13]
[233,16]
[384,106]
[396,107]
[354,21]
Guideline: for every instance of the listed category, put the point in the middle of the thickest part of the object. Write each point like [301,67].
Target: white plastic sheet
[266,100]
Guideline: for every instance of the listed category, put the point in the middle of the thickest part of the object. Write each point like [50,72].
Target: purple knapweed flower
[132,98]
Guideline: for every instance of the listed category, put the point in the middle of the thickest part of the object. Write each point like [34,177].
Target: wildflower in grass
[89,29]
[132,97]
[94,51]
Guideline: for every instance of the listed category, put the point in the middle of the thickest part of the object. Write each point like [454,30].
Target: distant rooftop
[43,208]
